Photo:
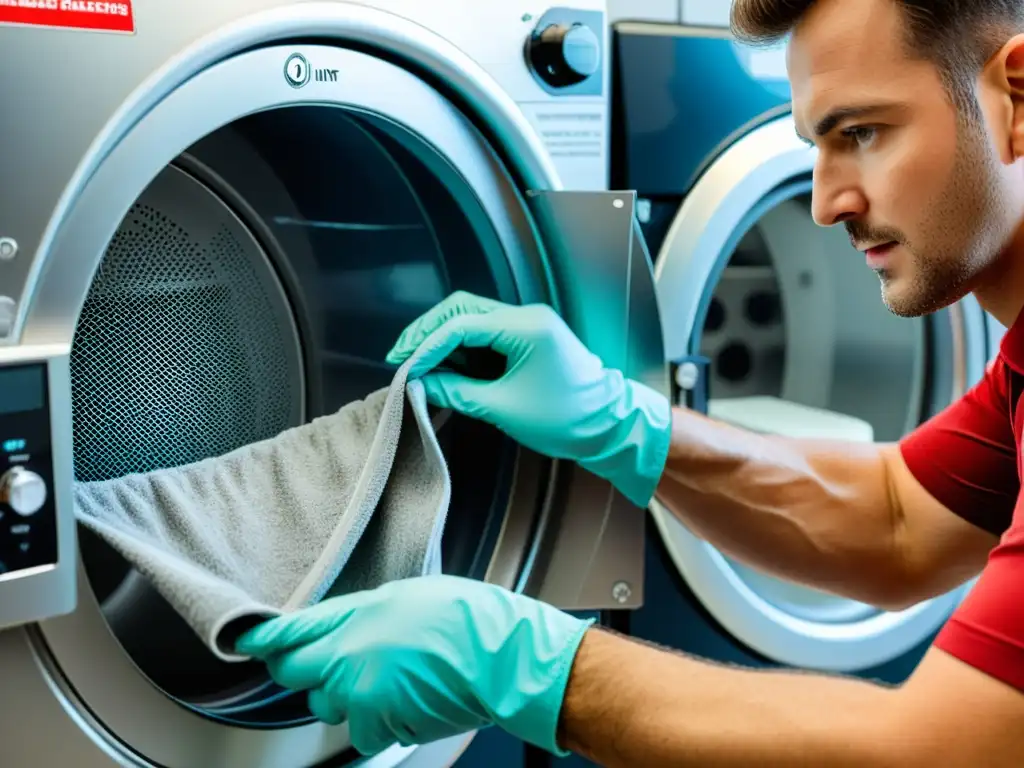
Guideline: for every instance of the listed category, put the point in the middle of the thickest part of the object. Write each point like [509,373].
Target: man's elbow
[900,590]
[891,601]
[895,602]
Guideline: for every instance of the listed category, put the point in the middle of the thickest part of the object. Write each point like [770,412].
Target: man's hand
[423,659]
[556,397]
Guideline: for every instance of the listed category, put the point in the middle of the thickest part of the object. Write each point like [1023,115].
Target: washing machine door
[774,324]
[244,244]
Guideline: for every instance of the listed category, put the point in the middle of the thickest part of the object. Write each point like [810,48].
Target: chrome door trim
[95,675]
[747,171]
[415,46]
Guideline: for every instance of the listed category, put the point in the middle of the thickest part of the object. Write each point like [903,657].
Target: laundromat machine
[216,218]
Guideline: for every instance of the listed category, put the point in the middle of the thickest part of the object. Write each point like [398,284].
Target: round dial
[564,55]
[23,491]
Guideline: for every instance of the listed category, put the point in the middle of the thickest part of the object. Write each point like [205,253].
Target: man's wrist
[629,703]
[636,448]
[586,705]
[533,714]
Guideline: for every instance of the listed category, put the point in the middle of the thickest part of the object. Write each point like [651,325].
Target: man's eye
[860,134]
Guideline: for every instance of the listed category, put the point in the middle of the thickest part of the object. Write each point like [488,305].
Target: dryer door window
[256,284]
[798,342]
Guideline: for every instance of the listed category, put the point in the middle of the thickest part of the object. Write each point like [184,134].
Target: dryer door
[240,262]
[797,341]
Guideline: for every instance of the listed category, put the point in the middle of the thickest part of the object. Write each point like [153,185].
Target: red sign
[96,15]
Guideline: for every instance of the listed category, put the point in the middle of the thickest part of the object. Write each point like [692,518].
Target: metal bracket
[592,554]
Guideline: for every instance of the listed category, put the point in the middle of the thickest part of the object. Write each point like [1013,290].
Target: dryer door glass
[798,342]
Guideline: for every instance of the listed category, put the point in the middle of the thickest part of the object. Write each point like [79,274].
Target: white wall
[713,13]
[708,13]
[644,10]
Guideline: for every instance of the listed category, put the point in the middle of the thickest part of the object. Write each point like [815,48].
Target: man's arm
[844,517]
[632,705]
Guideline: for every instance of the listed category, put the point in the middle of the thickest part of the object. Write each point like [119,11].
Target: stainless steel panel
[593,549]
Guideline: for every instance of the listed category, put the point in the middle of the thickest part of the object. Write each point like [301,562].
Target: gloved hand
[556,397]
[426,658]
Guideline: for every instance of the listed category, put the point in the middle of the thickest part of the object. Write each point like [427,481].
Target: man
[917,110]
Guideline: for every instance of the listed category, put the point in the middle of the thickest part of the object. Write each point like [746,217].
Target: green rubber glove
[556,397]
[427,658]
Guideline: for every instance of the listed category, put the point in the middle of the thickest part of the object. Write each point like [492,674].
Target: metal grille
[183,350]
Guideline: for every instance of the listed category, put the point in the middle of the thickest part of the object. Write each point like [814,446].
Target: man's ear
[1003,98]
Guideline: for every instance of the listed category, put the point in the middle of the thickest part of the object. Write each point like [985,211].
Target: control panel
[28,530]
[38,552]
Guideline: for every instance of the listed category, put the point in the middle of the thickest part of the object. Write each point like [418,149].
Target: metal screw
[621,592]
[687,375]
[8,307]
[8,248]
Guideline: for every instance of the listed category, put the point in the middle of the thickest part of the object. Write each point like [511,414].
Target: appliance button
[23,491]
[565,55]
[296,70]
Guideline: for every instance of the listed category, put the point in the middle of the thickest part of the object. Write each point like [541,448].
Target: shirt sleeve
[987,629]
[966,456]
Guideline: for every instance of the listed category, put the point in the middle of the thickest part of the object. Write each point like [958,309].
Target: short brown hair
[958,36]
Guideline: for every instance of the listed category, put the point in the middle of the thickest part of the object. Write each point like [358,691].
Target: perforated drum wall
[185,348]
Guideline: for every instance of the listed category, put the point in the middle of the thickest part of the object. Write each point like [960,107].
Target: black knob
[564,55]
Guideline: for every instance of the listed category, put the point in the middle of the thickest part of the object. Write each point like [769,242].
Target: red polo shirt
[969,458]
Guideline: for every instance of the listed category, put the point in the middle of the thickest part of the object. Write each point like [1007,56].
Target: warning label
[97,15]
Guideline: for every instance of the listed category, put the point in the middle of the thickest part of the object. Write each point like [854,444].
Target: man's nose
[833,203]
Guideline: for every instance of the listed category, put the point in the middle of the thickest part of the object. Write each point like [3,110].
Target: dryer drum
[255,284]
[186,346]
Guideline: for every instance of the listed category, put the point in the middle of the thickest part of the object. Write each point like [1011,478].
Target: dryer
[216,218]
[770,322]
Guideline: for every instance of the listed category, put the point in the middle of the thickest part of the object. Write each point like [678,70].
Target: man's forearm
[815,512]
[630,705]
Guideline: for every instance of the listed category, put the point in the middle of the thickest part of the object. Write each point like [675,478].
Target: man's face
[918,188]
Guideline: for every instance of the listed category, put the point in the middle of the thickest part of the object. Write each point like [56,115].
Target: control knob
[23,491]
[565,55]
